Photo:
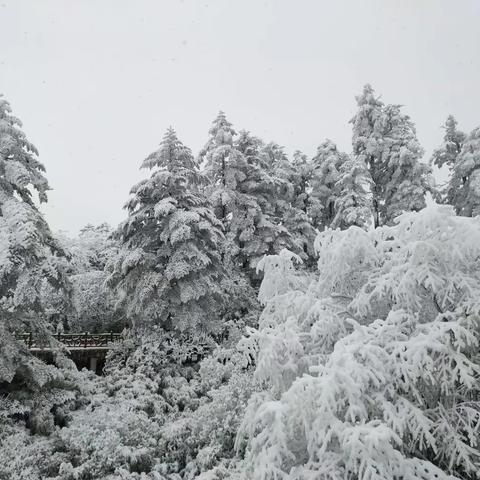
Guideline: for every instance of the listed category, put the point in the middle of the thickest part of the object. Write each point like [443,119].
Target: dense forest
[279,318]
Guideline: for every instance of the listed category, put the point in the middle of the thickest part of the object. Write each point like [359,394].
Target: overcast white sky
[96,83]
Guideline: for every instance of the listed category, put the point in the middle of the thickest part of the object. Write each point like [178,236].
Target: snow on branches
[395,394]
[30,255]
[169,268]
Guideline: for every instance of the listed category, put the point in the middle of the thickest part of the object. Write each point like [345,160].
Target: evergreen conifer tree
[453,139]
[289,201]
[29,254]
[466,176]
[301,178]
[406,177]
[225,166]
[353,205]
[326,167]
[385,139]
[275,161]
[243,192]
[170,268]
[287,205]
[446,156]
[296,216]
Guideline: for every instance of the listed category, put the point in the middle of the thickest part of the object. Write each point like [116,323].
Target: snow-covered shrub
[109,435]
[30,418]
[374,369]
[108,426]
[24,456]
[297,325]
[202,437]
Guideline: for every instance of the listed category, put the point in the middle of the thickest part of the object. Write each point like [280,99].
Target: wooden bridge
[86,349]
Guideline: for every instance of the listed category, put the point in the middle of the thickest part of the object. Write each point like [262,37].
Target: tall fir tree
[385,139]
[288,202]
[224,165]
[227,167]
[241,191]
[250,146]
[353,203]
[368,142]
[259,183]
[446,156]
[275,161]
[169,268]
[301,179]
[407,178]
[281,190]
[466,176]
[326,165]
[30,257]
[453,139]
[296,217]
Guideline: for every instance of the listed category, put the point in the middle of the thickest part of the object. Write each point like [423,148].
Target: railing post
[111,337]
[30,340]
[86,340]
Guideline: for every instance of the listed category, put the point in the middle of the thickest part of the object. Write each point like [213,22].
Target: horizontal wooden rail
[86,340]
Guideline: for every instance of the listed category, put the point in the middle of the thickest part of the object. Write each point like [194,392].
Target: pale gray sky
[96,83]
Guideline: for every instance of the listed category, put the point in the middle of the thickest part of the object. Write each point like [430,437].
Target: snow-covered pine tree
[368,142]
[353,203]
[302,234]
[301,178]
[250,146]
[289,198]
[326,165]
[446,156]
[228,169]
[29,254]
[169,267]
[257,186]
[407,178]
[276,163]
[385,139]
[243,192]
[453,139]
[225,166]
[258,182]
[466,176]
[296,218]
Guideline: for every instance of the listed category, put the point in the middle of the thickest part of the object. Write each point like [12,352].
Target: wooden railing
[92,341]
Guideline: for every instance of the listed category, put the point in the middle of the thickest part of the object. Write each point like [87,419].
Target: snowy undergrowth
[156,414]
